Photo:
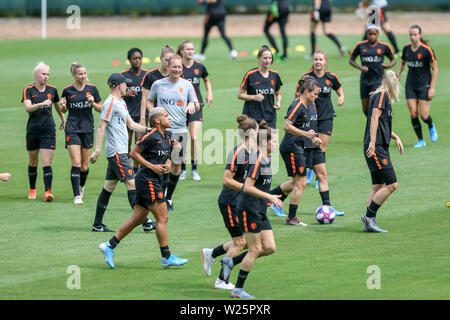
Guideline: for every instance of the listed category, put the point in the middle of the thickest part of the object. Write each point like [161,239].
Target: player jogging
[377,137]
[37,99]
[420,82]
[79,99]
[279,13]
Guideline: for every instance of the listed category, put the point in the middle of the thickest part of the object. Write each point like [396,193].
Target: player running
[377,137]
[37,99]
[193,71]
[420,82]
[177,96]
[278,12]
[79,99]
[215,16]
[153,153]
[112,126]
[372,53]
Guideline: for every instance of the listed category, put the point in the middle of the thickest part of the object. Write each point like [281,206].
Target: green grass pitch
[39,241]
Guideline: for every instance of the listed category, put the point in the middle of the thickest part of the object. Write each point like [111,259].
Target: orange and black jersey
[381,101]
[156,149]
[193,74]
[216,9]
[258,169]
[150,77]
[237,163]
[372,57]
[40,121]
[419,61]
[80,118]
[134,103]
[303,117]
[255,83]
[323,103]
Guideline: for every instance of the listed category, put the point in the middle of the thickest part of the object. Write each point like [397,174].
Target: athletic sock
[334,39]
[238,259]
[165,252]
[417,127]
[173,181]
[48,177]
[131,197]
[242,276]
[218,251]
[393,41]
[278,191]
[83,177]
[429,122]
[113,242]
[102,204]
[325,195]
[32,176]
[313,43]
[292,211]
[75,175]
[372,210]
[194,164]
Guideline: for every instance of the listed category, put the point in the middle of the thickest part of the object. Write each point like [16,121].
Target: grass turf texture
[41,240]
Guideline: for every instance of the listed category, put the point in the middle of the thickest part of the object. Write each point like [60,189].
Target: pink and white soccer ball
[325,214]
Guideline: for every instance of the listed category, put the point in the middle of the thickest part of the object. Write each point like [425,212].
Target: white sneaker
[221,284]
[183,175]
[195,175]
[82,191]
[199,57]
[233,54]
[77,200]
[207,260]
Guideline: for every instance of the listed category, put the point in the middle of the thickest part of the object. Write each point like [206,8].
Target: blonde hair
[75,66]
[39,66]
[390,85]
[167,49]
[181,47]
[154,114]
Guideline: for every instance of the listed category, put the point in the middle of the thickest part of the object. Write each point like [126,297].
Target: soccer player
[134,93]
[420,82]
[252,211]
[215,16]
[79,99]
[278,12]
[177,96]
[233,182]
[321,12]
[327,82]
[112,126]
[153,153]
[193,71]
[37,99]
[260,88]
[381,7]
[372,53]
[377,136]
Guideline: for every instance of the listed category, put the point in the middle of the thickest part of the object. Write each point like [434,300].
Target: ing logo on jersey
[180,102]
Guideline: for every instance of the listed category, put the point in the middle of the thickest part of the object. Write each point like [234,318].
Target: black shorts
[366,89]
[382,14]
[253,222]
[148,192]
[417,94]
[295,163]
[282,19]
[380,166]
[178,158]
[325,126]
[324,16]
[119,168]
[313,157]
[231,220]
[40,141]
[85,140]
[197,116]
[214,20]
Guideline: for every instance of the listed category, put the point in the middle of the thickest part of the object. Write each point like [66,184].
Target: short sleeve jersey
[193,74]
[419,61]
[261,172]
[303,117]
[150,77]
[80,118]
[381,101]
[115,112]
[216,9]
[156,149]
[323,103]
[134,103]
[372,57]
[174,97]
[254,83]
[237,163]
[41,121]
